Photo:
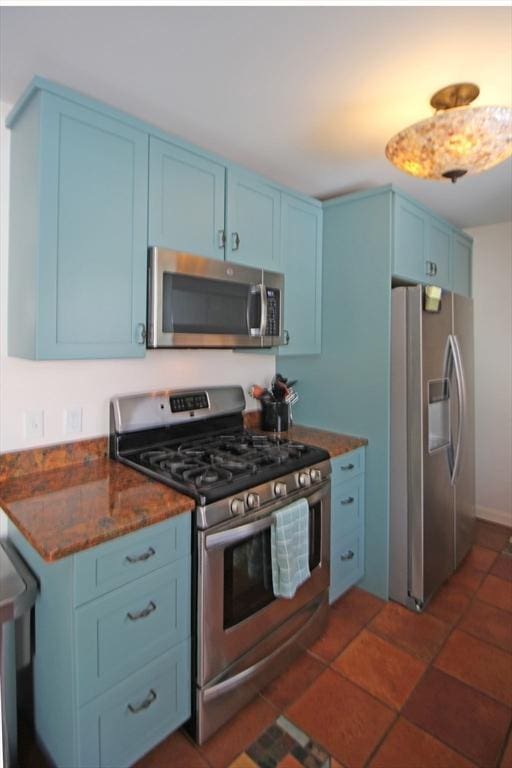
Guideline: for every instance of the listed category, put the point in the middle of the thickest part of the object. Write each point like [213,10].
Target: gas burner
[155,456]
[226,462]
[206,476]
[178,467]
[197,452]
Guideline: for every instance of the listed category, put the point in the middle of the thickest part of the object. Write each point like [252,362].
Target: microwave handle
[253,290]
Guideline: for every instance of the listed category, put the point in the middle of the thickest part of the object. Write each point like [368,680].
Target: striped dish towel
[289,539]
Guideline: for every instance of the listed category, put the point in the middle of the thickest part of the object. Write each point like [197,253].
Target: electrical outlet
[33,425]
[73,421]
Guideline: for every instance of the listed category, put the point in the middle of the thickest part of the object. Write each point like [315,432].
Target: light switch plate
[73,420]
[33,425]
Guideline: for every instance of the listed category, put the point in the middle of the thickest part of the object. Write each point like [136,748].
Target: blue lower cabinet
[126,722]
[119,632]
[347,523]
[101,569]
[111,668]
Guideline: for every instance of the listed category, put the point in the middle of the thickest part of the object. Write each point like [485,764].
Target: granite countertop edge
[66,507]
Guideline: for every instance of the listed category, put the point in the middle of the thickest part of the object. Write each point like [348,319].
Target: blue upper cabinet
[252,221]
[186,200]
[301,262]
[410,253]
[78,233]
[421,245]
[461,264]
[439,253]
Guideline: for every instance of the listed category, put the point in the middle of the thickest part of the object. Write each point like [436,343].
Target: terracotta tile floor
[383,688]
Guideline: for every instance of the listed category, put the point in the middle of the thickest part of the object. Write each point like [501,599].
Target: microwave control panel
[273,312]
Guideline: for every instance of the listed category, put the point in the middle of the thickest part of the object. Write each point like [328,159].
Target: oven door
[236,605]
[198,302]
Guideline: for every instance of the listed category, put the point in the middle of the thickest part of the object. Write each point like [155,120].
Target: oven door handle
[247,674]
[224,539]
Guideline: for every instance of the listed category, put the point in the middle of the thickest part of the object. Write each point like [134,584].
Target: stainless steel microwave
[198,302]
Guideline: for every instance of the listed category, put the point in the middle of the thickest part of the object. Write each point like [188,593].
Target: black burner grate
[213,461]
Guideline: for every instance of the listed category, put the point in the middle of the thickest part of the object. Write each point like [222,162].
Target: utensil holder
[275,416]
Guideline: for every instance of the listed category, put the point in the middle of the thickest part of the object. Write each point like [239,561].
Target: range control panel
[273,312]
[190,401]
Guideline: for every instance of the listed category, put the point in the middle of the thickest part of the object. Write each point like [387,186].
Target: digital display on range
[191,401]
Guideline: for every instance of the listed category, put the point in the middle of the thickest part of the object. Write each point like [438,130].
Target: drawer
[117,728]
[347,506]
[347,465]
[347,563]
[120,632]
[110,565]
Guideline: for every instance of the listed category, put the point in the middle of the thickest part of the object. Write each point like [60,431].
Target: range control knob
[280,489]
[304,479]
[253,500]
[316,475]
[238,506]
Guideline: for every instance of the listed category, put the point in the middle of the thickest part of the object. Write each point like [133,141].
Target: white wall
[492,288]
[56,386]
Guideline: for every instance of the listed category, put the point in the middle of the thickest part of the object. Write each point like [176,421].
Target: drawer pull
[344,467]
[139,558]
[348,556]
[348,500]
[150,698]
[142,614]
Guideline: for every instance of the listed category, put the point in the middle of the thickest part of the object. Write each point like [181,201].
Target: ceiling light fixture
[458,139]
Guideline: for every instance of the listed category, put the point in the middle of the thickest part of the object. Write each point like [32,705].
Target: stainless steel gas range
[194,441]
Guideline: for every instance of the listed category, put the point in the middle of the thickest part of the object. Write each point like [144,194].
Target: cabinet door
[461,264]
[301,261]
[411,231]
[120,726]
[93,245]
[422,246]
[186,201]
[439,254]
[253,211]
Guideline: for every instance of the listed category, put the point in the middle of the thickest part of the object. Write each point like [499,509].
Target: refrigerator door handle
[454,360]
[462,410]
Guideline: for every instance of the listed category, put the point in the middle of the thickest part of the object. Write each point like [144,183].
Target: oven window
[199,305]
[248,570]
[247,578]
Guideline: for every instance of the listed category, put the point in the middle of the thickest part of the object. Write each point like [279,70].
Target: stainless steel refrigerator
[432,496]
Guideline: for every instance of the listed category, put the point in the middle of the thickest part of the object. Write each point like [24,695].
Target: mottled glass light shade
[453,142]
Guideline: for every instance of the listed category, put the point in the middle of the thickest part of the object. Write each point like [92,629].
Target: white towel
[289,540]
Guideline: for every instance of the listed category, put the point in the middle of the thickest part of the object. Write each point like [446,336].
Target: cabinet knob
[235,241]
[221,238]
[345,467]
[347,556]
[348,500]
